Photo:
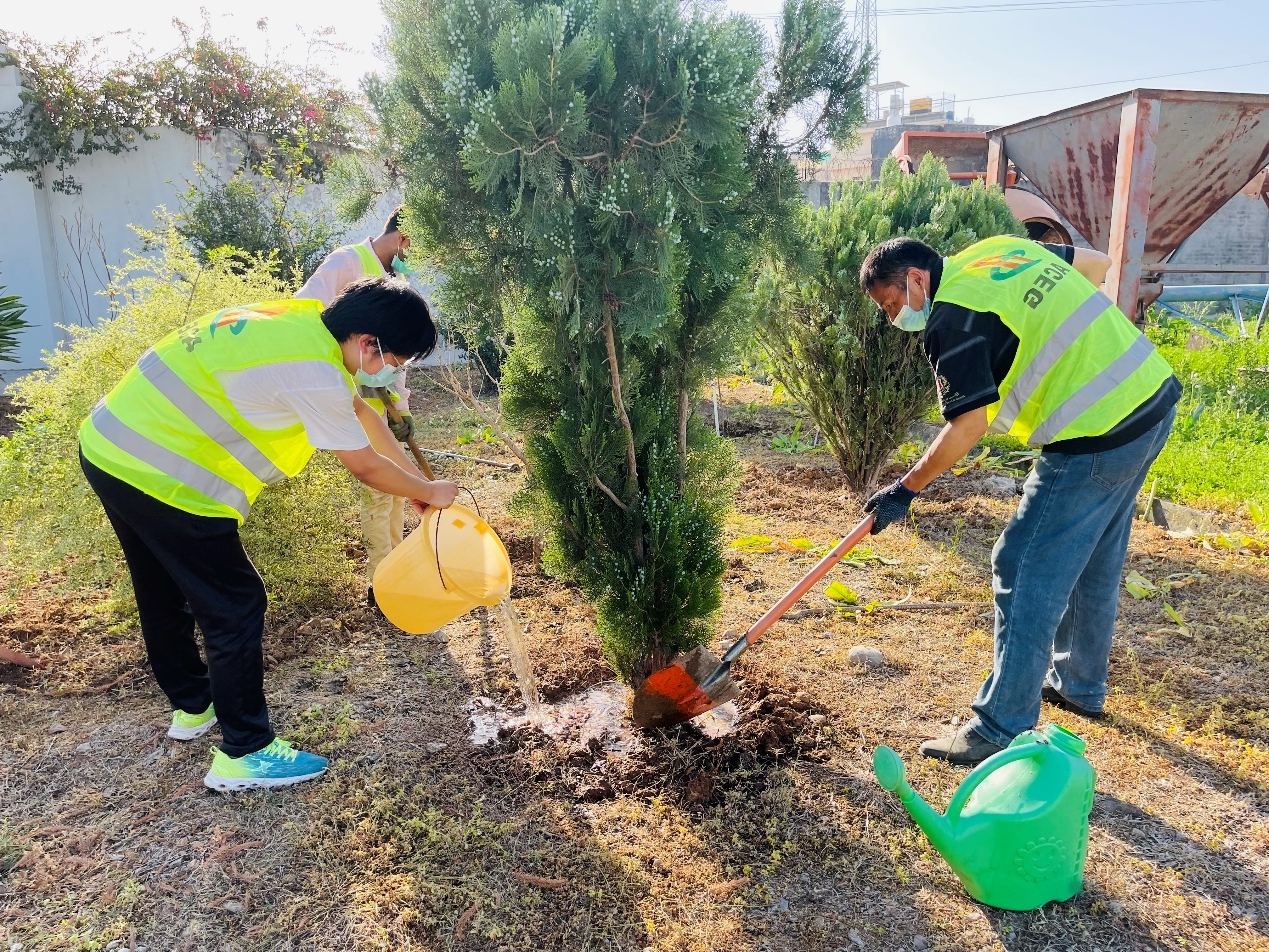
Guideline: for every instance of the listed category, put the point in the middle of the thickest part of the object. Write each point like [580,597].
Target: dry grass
[776,838]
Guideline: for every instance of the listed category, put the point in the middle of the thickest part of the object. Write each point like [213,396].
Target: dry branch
[225,851]
[460,927]
[542,882]
[85,692]
[12,656]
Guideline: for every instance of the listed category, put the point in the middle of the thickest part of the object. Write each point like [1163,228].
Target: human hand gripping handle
[441,493]
[889,505]
[403,426]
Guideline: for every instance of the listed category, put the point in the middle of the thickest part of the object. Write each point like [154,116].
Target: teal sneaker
[278,765]
[189,726]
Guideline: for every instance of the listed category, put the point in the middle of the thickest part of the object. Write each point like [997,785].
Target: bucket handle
[963,792]
[436,538]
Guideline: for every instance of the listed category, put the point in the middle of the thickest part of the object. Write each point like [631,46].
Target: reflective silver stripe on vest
[167,462]
[187,400]
[1123,367]
[1046,358]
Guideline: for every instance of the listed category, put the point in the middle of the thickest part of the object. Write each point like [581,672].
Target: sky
[938,47]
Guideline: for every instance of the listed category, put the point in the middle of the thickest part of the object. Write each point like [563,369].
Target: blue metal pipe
[1233,293]
[1177,294]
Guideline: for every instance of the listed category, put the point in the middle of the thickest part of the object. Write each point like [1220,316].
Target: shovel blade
[674,694]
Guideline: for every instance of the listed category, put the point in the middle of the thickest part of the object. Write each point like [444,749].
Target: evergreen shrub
[863,381]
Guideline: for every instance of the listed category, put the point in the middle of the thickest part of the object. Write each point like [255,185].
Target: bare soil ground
[773,838]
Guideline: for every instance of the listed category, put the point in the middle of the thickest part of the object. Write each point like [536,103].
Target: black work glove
[889,505]
[403,430]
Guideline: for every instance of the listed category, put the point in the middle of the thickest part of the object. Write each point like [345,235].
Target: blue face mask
[911,320]
[384,377]
[401,267]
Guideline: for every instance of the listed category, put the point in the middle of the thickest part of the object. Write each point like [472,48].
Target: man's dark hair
[394,220]
[388,308]
[889,262]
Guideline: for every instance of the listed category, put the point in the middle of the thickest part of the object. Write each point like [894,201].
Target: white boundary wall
[55,248]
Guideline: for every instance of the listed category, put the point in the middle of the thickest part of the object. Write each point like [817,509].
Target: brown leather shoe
[1053,696]
[965,748]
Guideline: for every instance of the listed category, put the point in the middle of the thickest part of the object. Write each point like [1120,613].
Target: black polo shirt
[971,353]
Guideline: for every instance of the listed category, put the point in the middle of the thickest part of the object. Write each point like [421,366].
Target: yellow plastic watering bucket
[474,570]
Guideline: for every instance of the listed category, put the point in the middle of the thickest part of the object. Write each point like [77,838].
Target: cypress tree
[600,176]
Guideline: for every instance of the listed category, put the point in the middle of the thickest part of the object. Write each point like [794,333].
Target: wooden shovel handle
[393,412]
[818,571]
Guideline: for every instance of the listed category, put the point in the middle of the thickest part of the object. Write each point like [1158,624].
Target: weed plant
[1218,456]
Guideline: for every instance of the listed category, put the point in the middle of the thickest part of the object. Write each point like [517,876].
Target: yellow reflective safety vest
[1081,365]
[169,429]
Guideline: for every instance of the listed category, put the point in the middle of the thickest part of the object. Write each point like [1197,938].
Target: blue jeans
[1055,575]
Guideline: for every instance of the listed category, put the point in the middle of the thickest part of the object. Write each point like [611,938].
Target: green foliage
[595,180]
[862,381]
[77,102]
[50,519]
[259,213]
[1218,454]
[11,324]
[352,185]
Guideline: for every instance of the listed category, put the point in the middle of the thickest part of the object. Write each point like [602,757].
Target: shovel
[396,418]
[697,682]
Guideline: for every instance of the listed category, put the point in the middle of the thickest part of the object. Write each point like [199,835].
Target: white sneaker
[190,726]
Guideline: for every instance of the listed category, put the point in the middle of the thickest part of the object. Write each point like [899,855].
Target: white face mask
[912,320]
[383,377]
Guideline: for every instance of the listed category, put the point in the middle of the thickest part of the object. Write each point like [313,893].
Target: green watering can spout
[888,767]
[1016,830]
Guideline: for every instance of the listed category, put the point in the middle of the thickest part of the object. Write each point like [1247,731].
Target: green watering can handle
[1007,756]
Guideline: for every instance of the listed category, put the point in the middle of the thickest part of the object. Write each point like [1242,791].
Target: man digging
[1022,342]
[182,446]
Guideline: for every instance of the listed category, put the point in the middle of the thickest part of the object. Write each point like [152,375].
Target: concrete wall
[56,249]
[1236,235]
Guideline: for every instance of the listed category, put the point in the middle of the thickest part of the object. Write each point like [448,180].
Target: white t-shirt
[339,269]
[312,392]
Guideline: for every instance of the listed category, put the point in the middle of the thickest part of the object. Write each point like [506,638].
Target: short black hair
[889,262]
[394,220]
[388,308]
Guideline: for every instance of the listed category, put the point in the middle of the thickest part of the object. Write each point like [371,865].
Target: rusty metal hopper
[1138,173]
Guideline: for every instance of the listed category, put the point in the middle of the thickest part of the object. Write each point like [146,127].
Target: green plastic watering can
[1016,830]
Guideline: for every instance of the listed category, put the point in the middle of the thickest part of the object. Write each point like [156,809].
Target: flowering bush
[77,102]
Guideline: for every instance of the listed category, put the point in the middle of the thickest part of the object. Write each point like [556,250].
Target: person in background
[1023,342]
[179,450]
[382,514]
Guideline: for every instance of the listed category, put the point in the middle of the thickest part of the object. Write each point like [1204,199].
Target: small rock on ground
[866,655]
[1001,486]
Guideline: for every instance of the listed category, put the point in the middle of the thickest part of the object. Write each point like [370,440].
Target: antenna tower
[866,27]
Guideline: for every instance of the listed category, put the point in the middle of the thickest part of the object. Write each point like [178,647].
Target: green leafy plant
[50,521]
[1259,516]
[863,382]
[11,325]
[1176,617]
[601,175]
[259,213]
[77,101]
[1218,454]
[841,594]
[483,435]
[793,442]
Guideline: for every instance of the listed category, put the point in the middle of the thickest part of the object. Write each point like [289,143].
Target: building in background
[894,114]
